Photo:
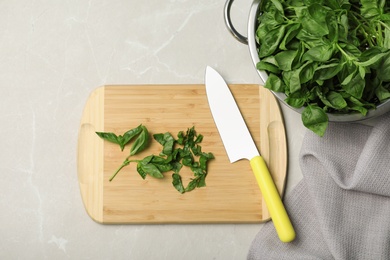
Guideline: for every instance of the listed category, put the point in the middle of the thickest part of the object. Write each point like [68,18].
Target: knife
[239,145]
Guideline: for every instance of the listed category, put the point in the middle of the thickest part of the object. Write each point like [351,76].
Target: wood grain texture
[231,194]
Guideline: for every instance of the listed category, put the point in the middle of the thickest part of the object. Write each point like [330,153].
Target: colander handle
[239,37]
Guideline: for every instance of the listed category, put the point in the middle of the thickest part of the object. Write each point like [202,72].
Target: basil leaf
[177,183]
[307,71]
[383,92]
[111,137]
[274,83]
[176,167]
[141,171]
[121,140]
[374,58]
[328,71]
[180,139]
[315,119]
[386,42]
[384,69]
[354,84]
[262,65]
[130,134]
[278,5]
[336,100]
[167,141]
[150,169]
[285,59]
[319,53]
[188,160]
[313,19]
[141,142]
[369,8]
[296,99]
[199,139]
[201,181]
[292,30]
[295,82]
[270,41]
[191,185]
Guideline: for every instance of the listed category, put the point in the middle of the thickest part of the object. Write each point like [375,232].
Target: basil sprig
[328,56]
[176,153]
[122,140]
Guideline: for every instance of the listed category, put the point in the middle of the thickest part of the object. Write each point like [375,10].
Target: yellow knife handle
[272,198]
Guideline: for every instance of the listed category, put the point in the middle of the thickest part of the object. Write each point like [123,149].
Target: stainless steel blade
[234,132]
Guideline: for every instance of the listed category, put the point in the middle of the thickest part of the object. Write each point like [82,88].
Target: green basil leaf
[328,71]
[262,65]
[141,142]
[307,72]
[120,140]
[285,59]
[334,4]
[315,119]
[151,170]
[274,83]
[352,50]
[176,167]
[163,164]
[159,138]
[180,137]
[296,99]
[386,42]
[167,141]
[382,93]
[196,150]
[278,5]
[147,159]
[332,99]
[177,183]
[292,31]
[384,68]
[188,160]
[162,167]
[141,171]
[111,137]
[199,139]
[203,162]
[270,42]
[354,84]
[202,181]
[369,8]
[130,134]
[313,19]
[191,185]
[373,59]
[197,170]
[295,82]
[343,27]
[320,53]
[385,17]
[336,100]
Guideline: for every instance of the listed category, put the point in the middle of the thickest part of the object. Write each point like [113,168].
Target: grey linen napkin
[341,207]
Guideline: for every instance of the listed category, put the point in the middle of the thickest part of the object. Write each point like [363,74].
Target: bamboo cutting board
[231,194]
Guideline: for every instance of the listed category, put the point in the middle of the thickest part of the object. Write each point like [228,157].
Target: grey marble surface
[53,55]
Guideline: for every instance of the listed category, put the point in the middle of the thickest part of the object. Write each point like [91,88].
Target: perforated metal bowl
[251,42]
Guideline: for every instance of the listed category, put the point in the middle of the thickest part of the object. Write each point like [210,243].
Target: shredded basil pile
[176,153]
[328,56]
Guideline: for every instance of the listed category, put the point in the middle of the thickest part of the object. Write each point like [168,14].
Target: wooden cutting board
[231,195]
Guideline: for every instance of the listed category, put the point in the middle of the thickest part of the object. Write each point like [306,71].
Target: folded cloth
[341,207]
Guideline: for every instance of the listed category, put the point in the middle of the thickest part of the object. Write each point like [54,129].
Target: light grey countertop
[54,53]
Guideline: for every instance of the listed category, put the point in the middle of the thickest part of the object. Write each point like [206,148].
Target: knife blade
[239,144]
